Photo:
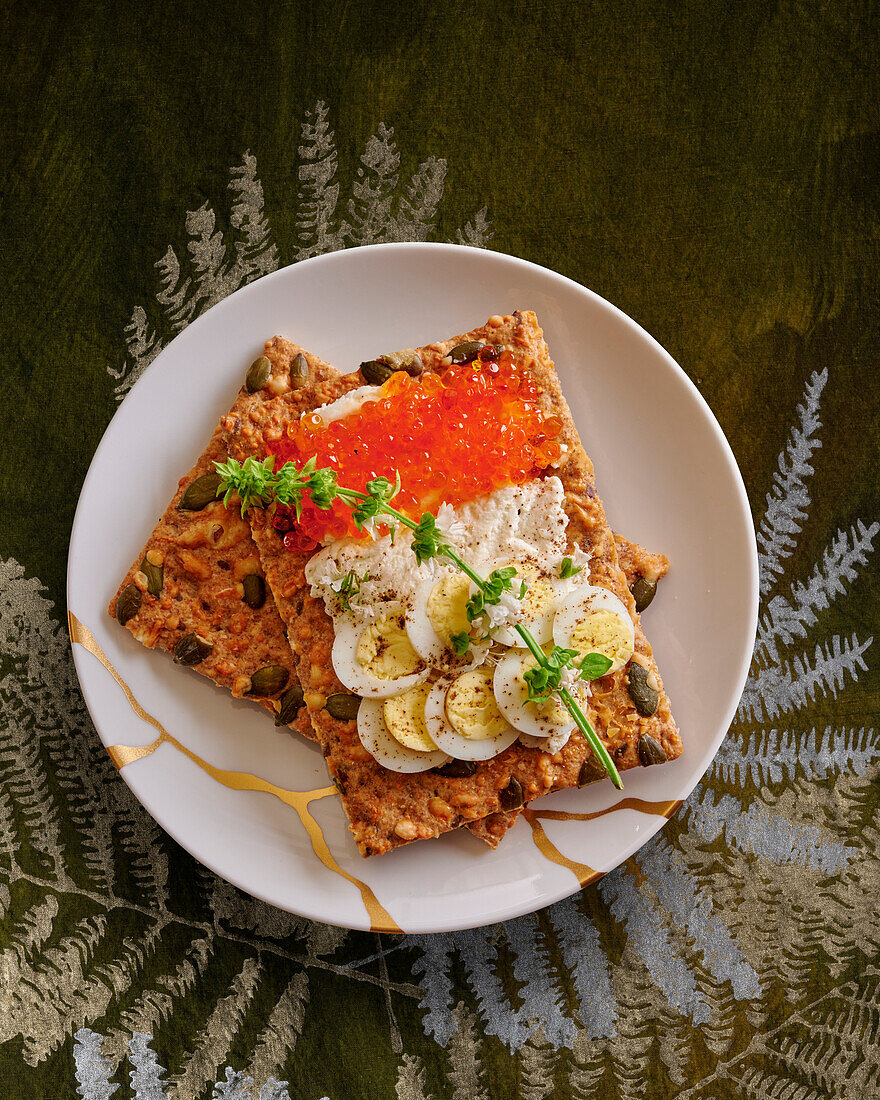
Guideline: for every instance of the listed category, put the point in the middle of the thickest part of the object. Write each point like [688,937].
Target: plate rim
[639,837]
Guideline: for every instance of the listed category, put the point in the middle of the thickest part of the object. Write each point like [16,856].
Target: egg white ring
[446,738]
[584,601]
[355,677]
[512,699]
[541,624]
[386,749]
[548,744]
[427,643]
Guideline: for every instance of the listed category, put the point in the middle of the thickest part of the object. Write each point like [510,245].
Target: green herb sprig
[258,484]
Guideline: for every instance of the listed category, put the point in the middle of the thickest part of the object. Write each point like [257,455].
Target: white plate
[663,468]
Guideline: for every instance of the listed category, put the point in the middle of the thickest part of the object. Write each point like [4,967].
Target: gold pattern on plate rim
[582,872]
[122,755]
[380,919]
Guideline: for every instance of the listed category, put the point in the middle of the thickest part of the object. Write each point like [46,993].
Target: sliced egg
[547,719]
[387,750]
[405,718]
[594,620]
[463,718]
[438,611]
[547,744]
[544,592]
[377,659]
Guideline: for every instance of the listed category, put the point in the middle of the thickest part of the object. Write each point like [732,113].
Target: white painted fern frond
[277,1041]
[649,938]
[476,233]
[154,1006]
[543,997]
[770,836]
[788,687]
[787,618]
[789,499]
[432,970]
[92,1070]
[411,1079]
[464,1050]
[417,208]
[255,254]
[215,1039]
[777,756]
[317,231]
[578,940]
[146,1076]
[691,910]
[373,189]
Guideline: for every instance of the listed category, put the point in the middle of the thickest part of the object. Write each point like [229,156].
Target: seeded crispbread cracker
[205,555]
[386,809]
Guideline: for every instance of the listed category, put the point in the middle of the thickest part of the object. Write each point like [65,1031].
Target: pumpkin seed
[254,590]
[200,493]
[643,592]
[155,575]
[591,771]
[299,371]
[258,375]
[511,798]
[651,751]
[291,701]
[375,373]
[269,680]
[463,353]
[129,603]
[192,649]
[457,769]
[407,360]
[343,707]
[645,698]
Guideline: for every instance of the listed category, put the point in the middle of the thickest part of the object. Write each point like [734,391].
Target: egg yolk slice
[385,651]
[405,718]
[447,607]
[603,632]
[540,593]
[471,708]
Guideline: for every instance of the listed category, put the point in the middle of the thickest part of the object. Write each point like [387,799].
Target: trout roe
[452,437]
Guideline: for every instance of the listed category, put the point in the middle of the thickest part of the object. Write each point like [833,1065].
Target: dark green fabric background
[711,168]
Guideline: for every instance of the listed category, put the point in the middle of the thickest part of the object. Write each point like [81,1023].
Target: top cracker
[385,808]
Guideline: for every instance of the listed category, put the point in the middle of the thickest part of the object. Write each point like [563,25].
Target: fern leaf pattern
[744,940]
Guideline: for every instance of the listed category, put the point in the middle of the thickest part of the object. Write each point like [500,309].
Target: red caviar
[453,437]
